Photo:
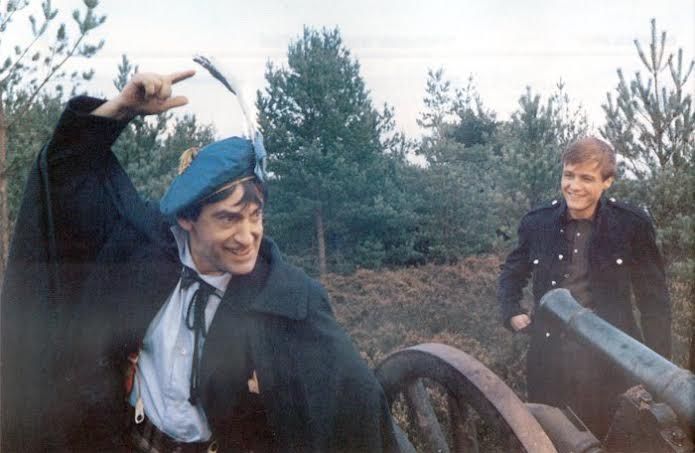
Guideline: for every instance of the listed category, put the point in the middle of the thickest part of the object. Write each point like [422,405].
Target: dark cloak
[90,265]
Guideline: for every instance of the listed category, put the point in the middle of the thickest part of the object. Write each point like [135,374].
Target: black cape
[90,265]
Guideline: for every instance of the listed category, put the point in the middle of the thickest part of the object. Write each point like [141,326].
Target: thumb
[176,101]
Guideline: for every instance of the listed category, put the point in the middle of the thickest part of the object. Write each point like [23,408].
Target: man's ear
[185,224]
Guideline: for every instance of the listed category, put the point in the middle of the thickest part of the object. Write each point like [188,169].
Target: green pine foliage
[149,148]
[334,158]
[651,123]
[531,145]
[455,190]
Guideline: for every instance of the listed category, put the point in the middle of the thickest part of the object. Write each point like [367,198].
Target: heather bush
[453,304]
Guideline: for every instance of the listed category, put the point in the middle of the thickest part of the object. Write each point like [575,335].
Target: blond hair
[587,149]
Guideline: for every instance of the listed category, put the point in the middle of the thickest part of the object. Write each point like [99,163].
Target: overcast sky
[505,45]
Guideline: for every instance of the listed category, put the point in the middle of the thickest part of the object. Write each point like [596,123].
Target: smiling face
[582,185]
[226,236]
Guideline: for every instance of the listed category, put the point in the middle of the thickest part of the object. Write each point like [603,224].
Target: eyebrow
[236,214]
[574,173]
[226,213]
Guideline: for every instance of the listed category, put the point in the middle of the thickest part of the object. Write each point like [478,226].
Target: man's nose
[244,233]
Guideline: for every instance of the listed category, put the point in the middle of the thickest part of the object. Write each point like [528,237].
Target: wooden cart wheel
[467,384]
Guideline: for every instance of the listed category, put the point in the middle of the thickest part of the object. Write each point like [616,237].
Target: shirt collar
[219,282]
[563,214]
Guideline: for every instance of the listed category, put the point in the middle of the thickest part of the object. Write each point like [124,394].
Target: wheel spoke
[421,411]
[463,429]
[467,380]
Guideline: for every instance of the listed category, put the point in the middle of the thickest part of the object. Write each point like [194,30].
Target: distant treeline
[350,191]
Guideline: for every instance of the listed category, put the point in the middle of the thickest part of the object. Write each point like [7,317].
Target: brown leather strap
[145,437]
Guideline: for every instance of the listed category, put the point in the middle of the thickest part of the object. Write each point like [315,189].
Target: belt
[145,437]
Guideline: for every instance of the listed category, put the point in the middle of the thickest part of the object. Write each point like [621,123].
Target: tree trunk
[691,355]
[4,209]
[320,239]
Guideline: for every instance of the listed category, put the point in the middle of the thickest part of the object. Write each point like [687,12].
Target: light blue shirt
[163,375]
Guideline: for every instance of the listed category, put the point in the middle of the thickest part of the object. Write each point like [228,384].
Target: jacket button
[535,261]
[560,256]
[553,283]
[554,202]
[619,261]
[547,334]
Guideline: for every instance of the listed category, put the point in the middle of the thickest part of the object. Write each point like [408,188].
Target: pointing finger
[176,77]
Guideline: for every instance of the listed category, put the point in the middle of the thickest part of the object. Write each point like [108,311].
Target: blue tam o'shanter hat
[219,164]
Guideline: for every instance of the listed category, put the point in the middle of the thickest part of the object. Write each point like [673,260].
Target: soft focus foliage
[651,123]
[149,148]
[332,155]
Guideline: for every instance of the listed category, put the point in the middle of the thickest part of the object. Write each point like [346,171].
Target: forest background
[406,234]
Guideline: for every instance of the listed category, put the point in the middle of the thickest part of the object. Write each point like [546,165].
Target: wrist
[115,109]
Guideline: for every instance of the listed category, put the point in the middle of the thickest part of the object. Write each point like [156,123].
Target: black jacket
[91,264]
[623,260]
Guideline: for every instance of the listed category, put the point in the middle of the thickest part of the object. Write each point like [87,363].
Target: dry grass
[389,310]
[456,305]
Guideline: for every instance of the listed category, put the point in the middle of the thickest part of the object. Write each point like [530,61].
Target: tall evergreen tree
[532,143]
[327,148]
[651,123]
[476,125]
[439,108]
[454,192]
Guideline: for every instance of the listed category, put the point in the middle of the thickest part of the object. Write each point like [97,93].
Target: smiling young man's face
[582,185]
[226,236]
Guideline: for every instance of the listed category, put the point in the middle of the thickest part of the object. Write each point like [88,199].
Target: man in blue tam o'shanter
[178,326]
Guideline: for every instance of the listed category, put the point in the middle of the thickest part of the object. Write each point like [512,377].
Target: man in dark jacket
[221,343]
[604,252]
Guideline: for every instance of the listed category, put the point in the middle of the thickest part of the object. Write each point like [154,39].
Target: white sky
[505,45]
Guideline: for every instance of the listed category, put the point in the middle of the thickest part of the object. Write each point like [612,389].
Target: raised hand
[146,93]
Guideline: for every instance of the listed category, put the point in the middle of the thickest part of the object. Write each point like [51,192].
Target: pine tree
[532,143]
[476,125]
[651,123]
[454,192]
[329,151]
[438,105]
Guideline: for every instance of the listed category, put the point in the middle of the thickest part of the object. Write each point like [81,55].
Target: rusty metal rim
[464,376]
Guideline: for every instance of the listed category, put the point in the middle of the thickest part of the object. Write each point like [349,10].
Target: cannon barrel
[663,379]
